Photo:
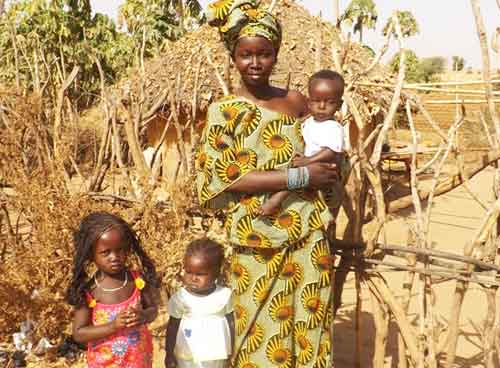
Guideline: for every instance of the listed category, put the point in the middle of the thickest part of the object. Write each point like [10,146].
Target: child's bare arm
[84,331]
[273,204]
[170,339]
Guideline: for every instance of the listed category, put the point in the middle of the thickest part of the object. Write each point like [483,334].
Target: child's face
[199,274]
[110,252]
[325,99]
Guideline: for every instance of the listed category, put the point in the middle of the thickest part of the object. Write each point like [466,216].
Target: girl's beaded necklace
[111,289]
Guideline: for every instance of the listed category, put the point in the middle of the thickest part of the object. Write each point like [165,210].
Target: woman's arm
[321,175]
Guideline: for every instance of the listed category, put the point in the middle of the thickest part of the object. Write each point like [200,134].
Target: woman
[281,271]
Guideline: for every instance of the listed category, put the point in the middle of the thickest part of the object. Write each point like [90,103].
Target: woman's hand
[322,175]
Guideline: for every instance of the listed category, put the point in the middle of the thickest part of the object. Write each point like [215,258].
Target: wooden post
[483,41]
[336,13]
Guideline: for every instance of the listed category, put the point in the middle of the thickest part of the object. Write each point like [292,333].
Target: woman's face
[254,58]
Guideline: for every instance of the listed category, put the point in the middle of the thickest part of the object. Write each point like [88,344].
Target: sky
[447,27]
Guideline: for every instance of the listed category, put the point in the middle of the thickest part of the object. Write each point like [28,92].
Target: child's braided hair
[90,230]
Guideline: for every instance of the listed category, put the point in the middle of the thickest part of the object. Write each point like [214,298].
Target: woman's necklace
[112,289]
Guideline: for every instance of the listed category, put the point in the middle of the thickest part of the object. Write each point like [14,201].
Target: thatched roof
[185,67]
[186,70]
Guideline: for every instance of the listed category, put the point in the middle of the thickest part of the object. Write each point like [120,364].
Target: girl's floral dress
[128,348]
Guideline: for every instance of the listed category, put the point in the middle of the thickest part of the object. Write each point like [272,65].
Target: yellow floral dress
[281,267]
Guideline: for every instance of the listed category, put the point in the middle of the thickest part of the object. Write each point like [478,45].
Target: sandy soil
[455,217]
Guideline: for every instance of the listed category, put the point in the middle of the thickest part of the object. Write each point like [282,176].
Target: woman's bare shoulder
[298,101]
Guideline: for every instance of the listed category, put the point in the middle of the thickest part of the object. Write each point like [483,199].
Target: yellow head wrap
[243,18]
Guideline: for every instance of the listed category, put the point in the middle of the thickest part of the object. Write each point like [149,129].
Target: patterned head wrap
[242,18]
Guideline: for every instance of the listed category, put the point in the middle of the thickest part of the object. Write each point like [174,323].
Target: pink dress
[127,348]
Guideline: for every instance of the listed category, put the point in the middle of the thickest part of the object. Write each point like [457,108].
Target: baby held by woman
[323,137]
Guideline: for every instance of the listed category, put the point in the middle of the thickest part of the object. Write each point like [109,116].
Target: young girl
[113,306]
[200,327]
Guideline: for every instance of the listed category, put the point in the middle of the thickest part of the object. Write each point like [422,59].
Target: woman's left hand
[322,175]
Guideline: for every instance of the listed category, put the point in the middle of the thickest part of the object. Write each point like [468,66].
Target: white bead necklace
[112,289]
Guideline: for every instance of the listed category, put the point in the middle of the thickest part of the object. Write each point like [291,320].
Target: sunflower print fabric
[281,265]
[243,18]
[241,137]
[282,305]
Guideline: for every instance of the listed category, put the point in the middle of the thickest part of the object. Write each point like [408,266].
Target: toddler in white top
[323,137]
[201,324]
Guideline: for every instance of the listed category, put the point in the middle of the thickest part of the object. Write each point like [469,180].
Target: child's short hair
[329,75]
[207,248]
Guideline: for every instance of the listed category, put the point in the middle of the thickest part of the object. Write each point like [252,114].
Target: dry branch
[389,118]
[222,83]
[483,42]
[466,276]
[455,83]
[379,287]
[427,89]
[447,184]
[381,319]
[462,101]
[59,107]
[439,254]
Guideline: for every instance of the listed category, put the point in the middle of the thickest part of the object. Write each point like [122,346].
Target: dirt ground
[455,217]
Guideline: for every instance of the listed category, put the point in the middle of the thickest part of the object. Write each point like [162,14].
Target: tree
[458,63]
[361,13]
[42,41]
[153,21]
[419,70]
[413,71]
[431,66]
[408,23]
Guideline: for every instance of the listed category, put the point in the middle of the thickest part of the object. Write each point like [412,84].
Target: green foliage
[458,63]
[408,23]
[412,63]
[431,66]
[360,13]
[43,40]
[154,21]
[418,70]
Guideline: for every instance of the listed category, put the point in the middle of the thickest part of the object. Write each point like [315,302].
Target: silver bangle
[297,178]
